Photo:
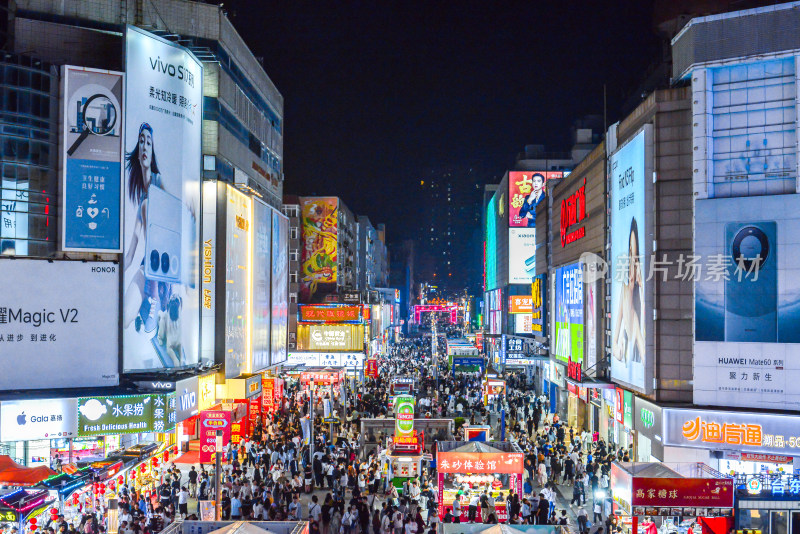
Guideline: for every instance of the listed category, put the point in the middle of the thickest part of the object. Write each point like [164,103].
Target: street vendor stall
[650,497]
[465,468]
[492,387]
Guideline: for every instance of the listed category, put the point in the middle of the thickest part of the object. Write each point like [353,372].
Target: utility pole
[311,418]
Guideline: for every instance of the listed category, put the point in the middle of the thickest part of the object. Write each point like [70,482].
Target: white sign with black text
[24,420]
[354,360]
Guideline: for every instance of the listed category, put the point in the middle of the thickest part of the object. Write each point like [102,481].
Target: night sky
[378,91]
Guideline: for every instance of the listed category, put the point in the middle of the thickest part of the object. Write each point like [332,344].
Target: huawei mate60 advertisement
[163,90]
[747,302]
[628,261]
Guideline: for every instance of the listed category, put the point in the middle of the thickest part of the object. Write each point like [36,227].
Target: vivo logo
[176,71]
[162,385]
[188,400]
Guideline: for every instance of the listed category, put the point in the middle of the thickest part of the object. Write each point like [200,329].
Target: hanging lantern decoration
[75,498]
[102,488]
[133,475]
[32,521]
[112,485]
[154,461]
[54,511]
[120,480]
[166,456]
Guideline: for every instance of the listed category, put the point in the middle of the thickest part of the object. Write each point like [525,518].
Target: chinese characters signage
[525,191]
[538,293]
[206,392]
[24,420]
[623,408]
[737,431]
[569,314]
[573,211]
[706,492]
[331,314]
[210,422]
[477,462]
[352,360]
[520,304]
[327,337]
[98,416]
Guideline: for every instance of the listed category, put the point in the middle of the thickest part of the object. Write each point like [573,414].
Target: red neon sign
[573,211]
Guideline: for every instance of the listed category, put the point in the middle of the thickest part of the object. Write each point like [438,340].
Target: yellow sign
[207,394]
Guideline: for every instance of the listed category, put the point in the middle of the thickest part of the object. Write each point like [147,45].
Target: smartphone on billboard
[162,261]
[751,290]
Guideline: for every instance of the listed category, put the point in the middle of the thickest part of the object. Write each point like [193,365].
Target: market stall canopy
[241,527]
[13,474]
[475,446]
[649,470]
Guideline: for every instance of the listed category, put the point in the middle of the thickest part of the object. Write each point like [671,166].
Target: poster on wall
[521,255]
[280,287]
[48,336]
[163,118]
[238,230]
[525,191]
[91,159]
[747,318]
[320,221]
[568,319]
[629,262]
[262,285]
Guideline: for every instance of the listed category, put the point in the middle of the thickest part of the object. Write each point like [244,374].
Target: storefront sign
[99,416]
[754,457]
[737,431]
[321,378]
[479,463]
[186,392]
[573,211]
[353,360]
[538,295]
[252,386]
[647,421]
[329,313]
[623,408]
[267,395]
[210,422]
[206,392]
[23,420]
[350,297]
[705,492]
[520,304]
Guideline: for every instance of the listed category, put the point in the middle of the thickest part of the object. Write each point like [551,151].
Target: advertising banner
[521,255]
[539,305]
[629,262]
[354,360]
[187,393]
[23,420]
[328,337]
[329,313]
[705,492]
[479,462]
[239,218]
[261,305]
[320,221]
[520,304]
[733,431]
[210,422]
[128,414]
[404,415]
[268,395]
[523,324]
[525,191]
[648,422]
[206,392]
[280,287]
[623,408]
[322,378]
[372,368]
[62,338]
[163,118]
[590,309]
[91,157]
[568,346]
[747,305]
[208,308]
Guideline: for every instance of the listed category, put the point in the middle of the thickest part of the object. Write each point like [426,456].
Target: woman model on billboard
[528,210]
[149,303]
[628,345]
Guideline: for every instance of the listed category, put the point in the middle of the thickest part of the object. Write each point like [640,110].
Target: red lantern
[112,485]
[166,456]
[32,521]
[133,475]
[53,511]
[75,498]
[120,479]
[102,488]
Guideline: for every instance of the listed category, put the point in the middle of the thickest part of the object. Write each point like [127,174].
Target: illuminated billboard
[538,305]
[568,316]
[280,287]
[320,222]
[451,310]
[238,235]
[747,319]
[331,313]
[330,337]
[161,271]
[91,157]
[525,191]
[629,262]
[261,286]
[521,255]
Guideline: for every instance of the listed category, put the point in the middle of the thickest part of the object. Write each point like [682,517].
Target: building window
[293,232]
[293,255]
[293,277]
[290,211]
[293,298]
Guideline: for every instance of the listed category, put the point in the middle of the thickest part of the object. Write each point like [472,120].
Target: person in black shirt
[226,506]
[192,483]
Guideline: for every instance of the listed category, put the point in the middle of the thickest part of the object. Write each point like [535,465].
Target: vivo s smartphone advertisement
[64,337]
[163,118]
[628,262]
[262,285]
[91,160]
[280,286]
[747,318]
[239,220]
[568,308]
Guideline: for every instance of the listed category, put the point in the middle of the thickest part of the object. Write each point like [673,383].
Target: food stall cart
[477,432]
[466,467]
[492,387]
[403,458]
[651,497]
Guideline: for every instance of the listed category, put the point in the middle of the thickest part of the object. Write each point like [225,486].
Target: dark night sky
[377,91]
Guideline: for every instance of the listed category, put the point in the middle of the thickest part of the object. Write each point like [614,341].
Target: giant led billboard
[525,191]
[747,302]
[261,285]
[280,287]
[521,255]
[238,264]
[319,268]
[568,315]
[65,336]
[330,337]
[164,98]
[629,262]
[91,157]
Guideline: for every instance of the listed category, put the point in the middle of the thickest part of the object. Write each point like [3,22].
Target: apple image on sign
[93,409]
[21,419]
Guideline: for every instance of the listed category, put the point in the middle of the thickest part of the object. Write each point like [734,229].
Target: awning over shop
[13,474]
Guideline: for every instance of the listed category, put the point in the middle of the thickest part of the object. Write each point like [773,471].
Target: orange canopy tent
[13,474]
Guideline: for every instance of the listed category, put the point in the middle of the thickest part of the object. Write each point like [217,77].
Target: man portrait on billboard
[528,210]
[628,344]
